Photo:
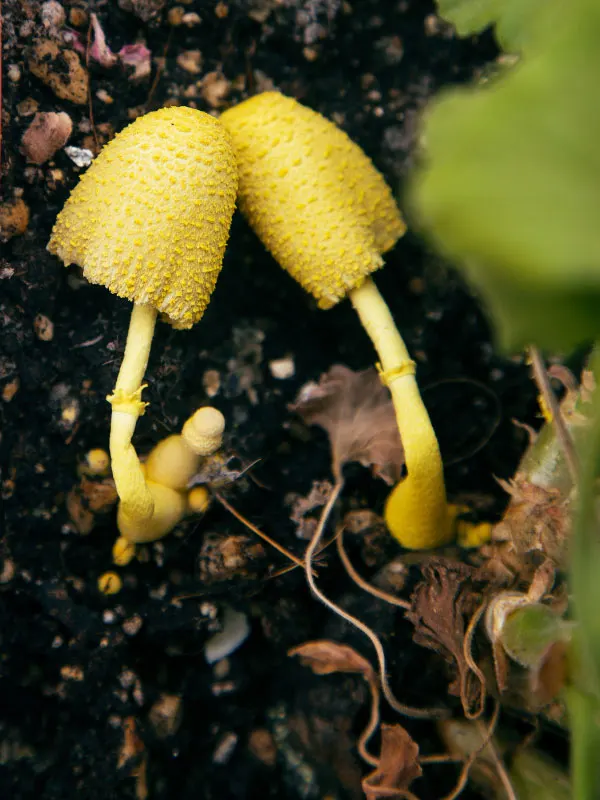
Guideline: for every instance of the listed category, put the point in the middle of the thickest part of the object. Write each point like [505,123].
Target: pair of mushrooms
[150,221]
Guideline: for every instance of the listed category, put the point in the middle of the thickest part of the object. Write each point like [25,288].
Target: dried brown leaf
[356,411]
[325,657]
[442,603]
[398,765]
[537,519]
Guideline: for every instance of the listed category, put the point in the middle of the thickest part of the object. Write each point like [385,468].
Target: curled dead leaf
[441,605]
[398,765]
[356,411]
[325,657]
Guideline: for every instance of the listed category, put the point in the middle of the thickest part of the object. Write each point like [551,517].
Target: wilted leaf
[441,605]
[325,657]
[356,411]
[398,765]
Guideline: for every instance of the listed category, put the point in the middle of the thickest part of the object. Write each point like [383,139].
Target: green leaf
[469,16]
[529,632]
[513,19]
[511,189]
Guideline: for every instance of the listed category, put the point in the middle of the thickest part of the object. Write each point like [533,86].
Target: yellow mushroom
[150,221]
[167,472]
[326,214]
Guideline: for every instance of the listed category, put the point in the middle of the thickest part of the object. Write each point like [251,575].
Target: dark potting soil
[84,676]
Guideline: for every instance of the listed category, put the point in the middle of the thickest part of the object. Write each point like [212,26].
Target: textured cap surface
[311,194]
[150,218]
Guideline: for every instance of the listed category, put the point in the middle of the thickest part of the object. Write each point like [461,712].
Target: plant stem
[562,432]
[584,707]
[416,510]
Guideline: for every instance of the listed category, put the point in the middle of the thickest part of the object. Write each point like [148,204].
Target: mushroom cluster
[150,221]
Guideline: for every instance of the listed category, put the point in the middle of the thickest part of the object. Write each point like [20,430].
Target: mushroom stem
[136,500]
[137,351]
[416,510]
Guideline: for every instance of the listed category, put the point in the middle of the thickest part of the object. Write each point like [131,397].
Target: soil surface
[111,696]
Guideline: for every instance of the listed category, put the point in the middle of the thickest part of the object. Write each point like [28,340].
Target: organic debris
[325,657]
[356,411]
[302,507]
[442,604]
[398,765]
[537,519]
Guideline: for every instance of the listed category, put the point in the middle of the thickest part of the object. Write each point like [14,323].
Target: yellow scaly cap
[311,194]
[150,218]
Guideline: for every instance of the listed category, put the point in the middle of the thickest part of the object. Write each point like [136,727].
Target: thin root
[361,582]
[297,561]
[407,711]
[466,768]
[468,656]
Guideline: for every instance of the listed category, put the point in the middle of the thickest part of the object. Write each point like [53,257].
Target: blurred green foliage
[510,188]
[513,19]
[510,191]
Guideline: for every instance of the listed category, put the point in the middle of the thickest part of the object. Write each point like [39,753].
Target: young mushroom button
[150,221]
[168,471]
[326,214]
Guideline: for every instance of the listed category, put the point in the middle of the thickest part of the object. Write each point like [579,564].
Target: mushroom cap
[311,194]
[150,218]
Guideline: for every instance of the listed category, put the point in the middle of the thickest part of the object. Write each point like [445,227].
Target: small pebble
[221,669]
[13,73]
[282,368]
[133,625]
[190,61]
[191,19]
[8,571]
[72,673]
[236,630]
[27,107]
[165,715]
[47,133]
[43,327]
[14,218]
[215,88]
[175,16]
[262,746]
[211,380]
[9,390]
[78,17]
[80,156]
[225,747]
[61,70]
[104,97]
[53,14]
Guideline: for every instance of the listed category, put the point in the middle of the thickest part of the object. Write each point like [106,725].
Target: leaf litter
[356,411]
